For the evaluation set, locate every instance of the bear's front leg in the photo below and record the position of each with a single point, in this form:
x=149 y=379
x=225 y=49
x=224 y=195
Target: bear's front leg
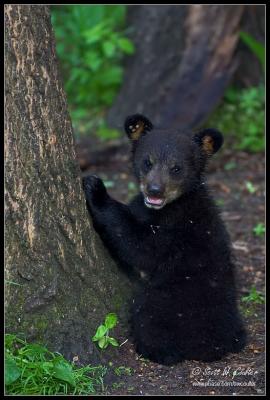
x=95 y=192
x=122 y=234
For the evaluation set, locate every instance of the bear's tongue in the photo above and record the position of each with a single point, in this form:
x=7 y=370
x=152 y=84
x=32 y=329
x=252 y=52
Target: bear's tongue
x=154 y=200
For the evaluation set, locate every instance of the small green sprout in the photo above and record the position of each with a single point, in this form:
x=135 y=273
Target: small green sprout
x=254 y=297
x=259 y=229
x=102 y=333
x=123 y=371
x=250 y=187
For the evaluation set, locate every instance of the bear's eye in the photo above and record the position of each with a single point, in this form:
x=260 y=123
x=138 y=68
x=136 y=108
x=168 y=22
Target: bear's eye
x=176 y=169
x=147 y=164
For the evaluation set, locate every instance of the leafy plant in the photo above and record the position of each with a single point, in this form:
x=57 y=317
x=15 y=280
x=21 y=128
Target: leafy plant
x=31 y=369
x=250 y=187
x=251 y=302
x=254 y=297
x=105 y=133
x=119 y=371
x=117 y=385
x=259 y=229
x=91 y=42
x=102 y=334
x=256 y=47
x=242 y=116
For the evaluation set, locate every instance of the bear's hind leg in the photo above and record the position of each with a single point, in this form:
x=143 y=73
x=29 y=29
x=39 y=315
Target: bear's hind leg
x=154 y=341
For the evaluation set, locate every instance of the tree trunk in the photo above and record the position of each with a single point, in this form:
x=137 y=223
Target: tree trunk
x=249 y=70
x=183 y=62
x=60 y=281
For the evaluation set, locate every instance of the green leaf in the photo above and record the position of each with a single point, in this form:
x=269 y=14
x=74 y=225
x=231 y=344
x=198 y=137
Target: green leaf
x=259 y=229
x=103 y=342
x=110 y=320
x=231 y=95
x=93 y=60
x=254 y=296
x=112 y=341
x=12 y=372
x=256 y=47
x=79 y=113
x=107 y=98
x=12 y=283
x=63 y=371
x=250 y=187
x=101 y=330
x=94 y=34
x=126 y=45
x=9 y=339
x=112 y=75
x=108 y=48
x=47 y=366
x=107 y=133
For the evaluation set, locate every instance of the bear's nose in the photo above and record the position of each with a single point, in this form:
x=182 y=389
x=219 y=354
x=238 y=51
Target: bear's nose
x=155 y=190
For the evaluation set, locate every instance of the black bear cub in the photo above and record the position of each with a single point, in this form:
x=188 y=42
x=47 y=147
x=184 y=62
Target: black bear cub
x=172 y=237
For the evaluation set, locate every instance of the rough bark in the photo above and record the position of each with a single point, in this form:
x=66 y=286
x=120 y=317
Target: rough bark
x=66 y=280
x=183 y=62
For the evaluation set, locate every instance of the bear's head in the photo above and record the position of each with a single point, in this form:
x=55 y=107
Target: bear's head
x=167 y=163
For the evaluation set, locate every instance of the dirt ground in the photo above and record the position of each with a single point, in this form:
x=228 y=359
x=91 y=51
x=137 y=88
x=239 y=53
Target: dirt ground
x=236 y=374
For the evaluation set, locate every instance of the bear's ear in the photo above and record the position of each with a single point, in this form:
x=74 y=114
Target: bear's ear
x=136 y=125
x=210 y=140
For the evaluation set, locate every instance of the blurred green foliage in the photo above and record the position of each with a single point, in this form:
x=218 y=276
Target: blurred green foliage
x=257 y=48
x=91 y=42
x=242 y=112
x=259 y=229
x=242 y=115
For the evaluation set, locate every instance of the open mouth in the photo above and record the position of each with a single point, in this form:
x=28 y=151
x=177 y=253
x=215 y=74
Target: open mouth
x=154 y=202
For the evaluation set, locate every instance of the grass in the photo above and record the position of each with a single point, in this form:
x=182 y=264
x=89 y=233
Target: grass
x=254 y=297
x=31 y=369
x=251 y=301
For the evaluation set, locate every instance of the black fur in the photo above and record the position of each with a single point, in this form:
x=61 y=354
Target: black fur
x=186 y=306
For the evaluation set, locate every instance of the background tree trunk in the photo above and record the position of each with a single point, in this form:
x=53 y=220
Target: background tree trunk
x=60 y=281
x=249 y=70
x=185 y=57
